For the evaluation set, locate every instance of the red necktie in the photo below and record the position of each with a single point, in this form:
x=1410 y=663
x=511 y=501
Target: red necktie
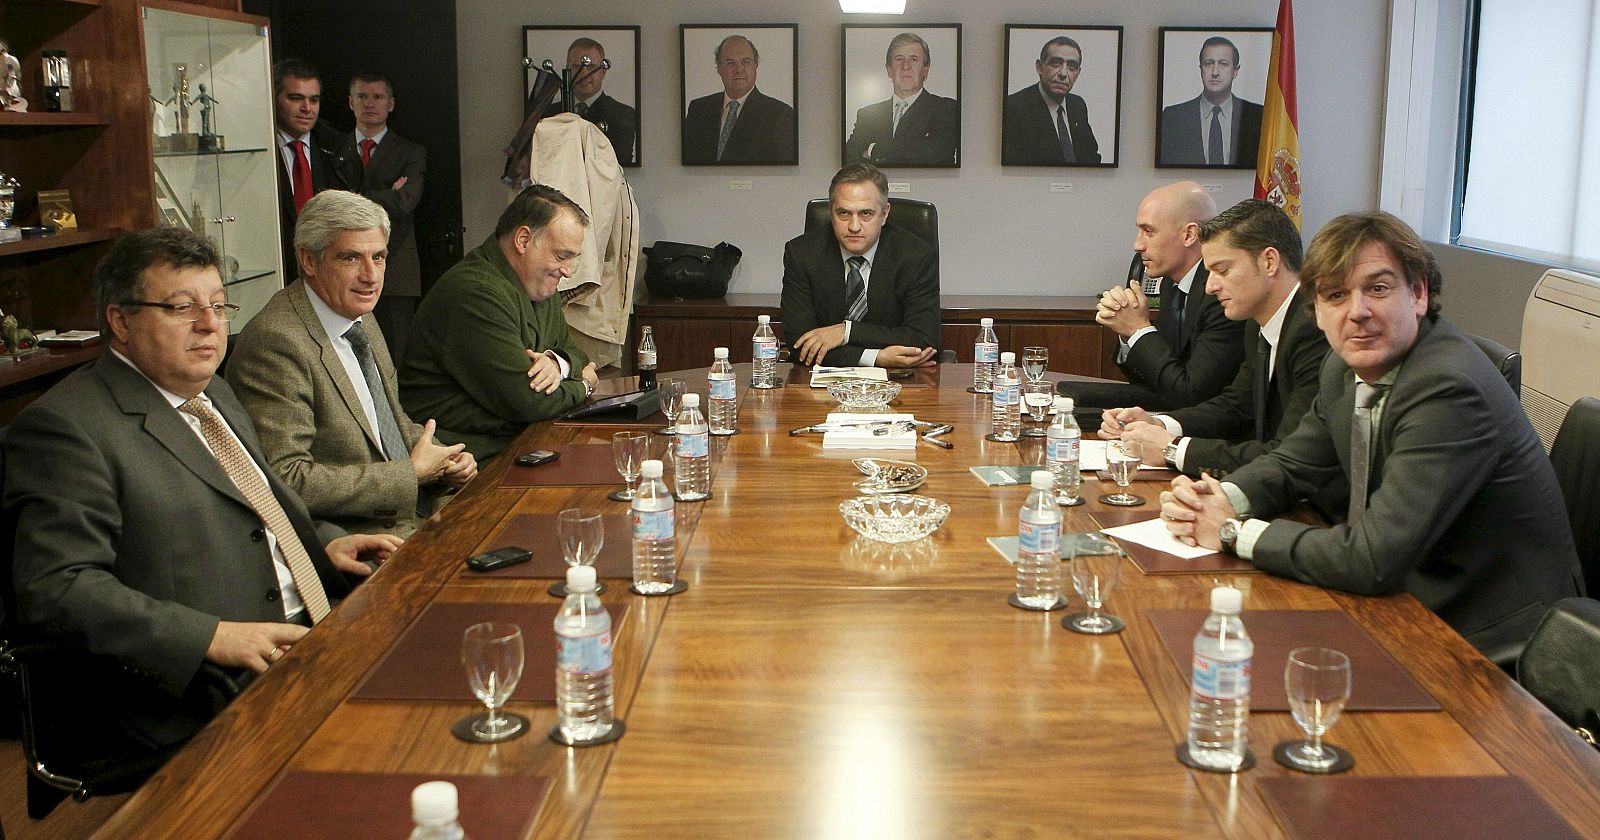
x=302 y=176
x=366 y=151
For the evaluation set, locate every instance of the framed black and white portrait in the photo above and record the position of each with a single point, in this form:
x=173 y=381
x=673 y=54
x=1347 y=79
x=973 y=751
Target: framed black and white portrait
x=740 y=95
x=607 y=97
x=1063 y=96
x=1211 y=86
x=902 y=94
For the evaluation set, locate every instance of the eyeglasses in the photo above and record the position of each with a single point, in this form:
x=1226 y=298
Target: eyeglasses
x=190 y=312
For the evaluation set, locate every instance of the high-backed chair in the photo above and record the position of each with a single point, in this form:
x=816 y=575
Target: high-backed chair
x=1506 y=360
x=1576 y=458
x=919 y=218
x=1561 y=664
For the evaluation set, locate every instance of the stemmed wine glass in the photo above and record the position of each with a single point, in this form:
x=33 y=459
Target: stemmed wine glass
x=1317 y=681
x=581 y=534
x=1096 y=567
x=492 y=654
x=628 y=451
x=1034 y=362
x=672 y=391
x=1122 y=459
x=1037 y=398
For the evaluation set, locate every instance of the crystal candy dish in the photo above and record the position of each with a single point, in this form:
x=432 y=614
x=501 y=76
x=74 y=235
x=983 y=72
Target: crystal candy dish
x=894 y=519
x=864 y=393
x=887 y=476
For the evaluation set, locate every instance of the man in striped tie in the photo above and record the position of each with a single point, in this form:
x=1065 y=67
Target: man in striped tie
x=855 y=292
x=151 y=535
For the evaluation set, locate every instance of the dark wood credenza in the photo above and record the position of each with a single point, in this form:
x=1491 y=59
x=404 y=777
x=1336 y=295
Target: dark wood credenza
x=687 y=330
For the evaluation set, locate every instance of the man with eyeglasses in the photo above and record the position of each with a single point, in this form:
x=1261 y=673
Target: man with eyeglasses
x=150 y=535
x=1047 y=124
x=1215 y=128
x=739 y=125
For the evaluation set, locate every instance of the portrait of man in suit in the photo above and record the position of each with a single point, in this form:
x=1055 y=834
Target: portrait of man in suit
x=618 y=122
x=1218 y=127
x=307 y=148
x=914 y=126
x=1054 y=104
x=606 y=96
x=739 y=124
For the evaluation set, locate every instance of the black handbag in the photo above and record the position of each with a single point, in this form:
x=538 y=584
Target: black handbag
x=679 y=270
x=1561 y=664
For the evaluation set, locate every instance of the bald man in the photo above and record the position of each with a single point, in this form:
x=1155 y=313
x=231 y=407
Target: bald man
x=1186 y=352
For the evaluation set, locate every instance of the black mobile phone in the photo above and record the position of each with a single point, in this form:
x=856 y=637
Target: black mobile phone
x=498 y=559
x=536 y=457
x=902 y=373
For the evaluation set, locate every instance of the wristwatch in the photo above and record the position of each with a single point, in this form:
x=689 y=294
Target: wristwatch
x=1171 y=453
x=1228 y=534
x=588 y=387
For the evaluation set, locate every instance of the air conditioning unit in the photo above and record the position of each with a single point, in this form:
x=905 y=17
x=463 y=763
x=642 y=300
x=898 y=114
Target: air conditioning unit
x=1560 y=348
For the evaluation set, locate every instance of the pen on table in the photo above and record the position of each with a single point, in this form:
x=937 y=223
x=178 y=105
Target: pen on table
x=939 y=442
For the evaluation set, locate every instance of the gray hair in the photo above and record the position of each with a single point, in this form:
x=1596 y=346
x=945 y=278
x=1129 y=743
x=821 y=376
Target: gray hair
x=332 y=212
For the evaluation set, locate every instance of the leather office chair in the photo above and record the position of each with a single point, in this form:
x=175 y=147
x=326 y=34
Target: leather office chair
x=1561 y=664
x=1506 y=360
x=919 y=218
x=1576 y=458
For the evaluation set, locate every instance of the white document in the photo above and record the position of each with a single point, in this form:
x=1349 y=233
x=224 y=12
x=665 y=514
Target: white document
x=1092 y=455
x=822 y=377
x=862 y=437
x=1153 y=533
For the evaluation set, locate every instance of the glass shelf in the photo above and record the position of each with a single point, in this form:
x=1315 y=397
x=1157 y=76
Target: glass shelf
x=211 y=153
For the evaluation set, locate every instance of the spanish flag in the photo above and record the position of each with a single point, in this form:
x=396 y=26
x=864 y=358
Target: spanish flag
x=1278 y=161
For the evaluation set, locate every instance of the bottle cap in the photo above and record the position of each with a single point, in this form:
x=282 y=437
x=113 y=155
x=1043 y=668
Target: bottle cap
x=690 y=401
x=763 y=319
x=1064 y=404
x=1008 y=358
x=1042 y=480
x=1226 y=600
x=434 y=803
x=580 y=579
x=650 y=469
x=719 y=353
x=986 y=322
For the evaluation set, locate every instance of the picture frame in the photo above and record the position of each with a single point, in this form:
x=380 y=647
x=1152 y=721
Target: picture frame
x=1235 y=91
x=879 y=67
x=56 y=210
x=603 y=96
x=756 y=65
x=1043 y=96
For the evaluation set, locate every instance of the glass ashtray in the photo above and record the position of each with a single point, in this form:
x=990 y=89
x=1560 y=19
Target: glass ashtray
x=894 y=518
x=887 y=476
x=864 y=393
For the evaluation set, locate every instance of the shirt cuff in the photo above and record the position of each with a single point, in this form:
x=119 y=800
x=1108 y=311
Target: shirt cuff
x=566 y=368
x=1249 y=532
x=1173 y=427
x=869 y=358
x=846 y=332
x=1183 y=451
x=1237 y=498
x=1138 y=334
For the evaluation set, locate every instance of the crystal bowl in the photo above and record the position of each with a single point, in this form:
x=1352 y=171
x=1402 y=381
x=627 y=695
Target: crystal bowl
x=864 y=393
x=894 y=519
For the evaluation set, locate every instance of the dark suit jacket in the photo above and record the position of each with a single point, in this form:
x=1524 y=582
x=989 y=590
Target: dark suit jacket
x=764 y=133
x=902 y=294
x=1030 y=131
x=1246 y=420
x=1180 y=133
x=1199 y=364
x=132 y=543
x=1464 y=511
x=322 y=153
x=394 y=157
x=929 y=135
x=620 y=124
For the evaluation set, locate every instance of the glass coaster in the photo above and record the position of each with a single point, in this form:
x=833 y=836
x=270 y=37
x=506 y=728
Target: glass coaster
x=616 y=731
x=1342 y=759
x=463 y=728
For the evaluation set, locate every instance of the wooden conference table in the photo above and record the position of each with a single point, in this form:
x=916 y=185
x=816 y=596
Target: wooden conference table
x=810 y=684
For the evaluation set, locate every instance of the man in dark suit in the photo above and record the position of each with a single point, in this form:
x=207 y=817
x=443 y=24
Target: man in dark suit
x=618 y=122
x=913 y=127
x=1215 y=128
x=857 y=293
x=1191 y=350
x=740 y=124
x=1252 y=253
x=151 y=537
x=306 y=149
x=388 y=169
x=1450 y=495
x=1047 y=124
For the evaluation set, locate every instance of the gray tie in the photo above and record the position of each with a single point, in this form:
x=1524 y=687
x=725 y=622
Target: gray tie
x=899 y=111
x=1361 y=449
x=582 y=109
x=1214 y=138
x=394 y=446
x=1064 y=135
x=855 y=290
x=727 y=127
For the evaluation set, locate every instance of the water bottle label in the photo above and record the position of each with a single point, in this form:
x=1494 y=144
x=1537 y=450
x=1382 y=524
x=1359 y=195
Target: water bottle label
x=647 y=358
x=1061 y=449
x=724 y=389
x=1039 y=538
x=1005 y=393
x=654 y=524
x=696 y=445
x=764 y=349
x=583 y=654
x=984 y=352
x=1218 y=679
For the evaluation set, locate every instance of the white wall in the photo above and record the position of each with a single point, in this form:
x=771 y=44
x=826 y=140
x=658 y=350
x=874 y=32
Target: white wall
x=1002 y=231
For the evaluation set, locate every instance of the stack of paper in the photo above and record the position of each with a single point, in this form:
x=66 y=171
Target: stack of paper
x=861 y=437
x=69 y=338
x=822 y=377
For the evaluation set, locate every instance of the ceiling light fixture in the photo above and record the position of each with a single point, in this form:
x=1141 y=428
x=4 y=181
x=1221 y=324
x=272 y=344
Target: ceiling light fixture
x=873 y=7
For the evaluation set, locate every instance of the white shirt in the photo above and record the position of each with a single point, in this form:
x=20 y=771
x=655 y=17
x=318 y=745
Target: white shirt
x=286 y=152
x=377 y=139
x=1226 y=119
x=289 y=593
x=869 y=357
x=336 y=325
x=1184 y=285
x=1055 y=107
x=725 y=101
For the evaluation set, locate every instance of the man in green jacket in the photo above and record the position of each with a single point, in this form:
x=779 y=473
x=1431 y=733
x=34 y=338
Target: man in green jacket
x=490 y=352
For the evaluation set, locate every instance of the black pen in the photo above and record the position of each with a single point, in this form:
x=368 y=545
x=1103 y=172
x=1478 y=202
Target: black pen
x=945 y=444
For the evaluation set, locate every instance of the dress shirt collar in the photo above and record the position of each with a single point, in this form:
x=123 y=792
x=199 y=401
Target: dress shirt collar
x=1186 y=285
x=335 y=324
x=1272 y=330
x=912 y=100
x=870 y=255
x=170 y=397
x=1050 y=104
x=285 y=138
x=740 y=100
x=599 y=93
x=376 y=138
x=1227 y=109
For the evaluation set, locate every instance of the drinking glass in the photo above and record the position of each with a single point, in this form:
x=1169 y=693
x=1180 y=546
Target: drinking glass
x=672 y=391
x=628 y=452
x=1122 y=459
x=1034 y=362
x=1317 y=681
x=492 y=654
x=582 y=534
x=1096 y=567
x=1037 y=398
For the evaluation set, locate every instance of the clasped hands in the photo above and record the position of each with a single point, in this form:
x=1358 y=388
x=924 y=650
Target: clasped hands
x=436 y=462
x=1124 y=309
x=811 y=347
x=1140 y=425
x=1193 y=510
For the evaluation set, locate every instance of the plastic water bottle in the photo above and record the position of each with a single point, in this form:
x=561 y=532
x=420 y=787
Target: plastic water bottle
x=764 y=355
x=1039 y=545
x=723 y=394
x=1007 y=399
x=985 y=355
x=647 y=360
x=435 y=811
x=1219 y=705
x=691 y=450
x=585 y=707
x=655 y=540
x=1062 y=446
